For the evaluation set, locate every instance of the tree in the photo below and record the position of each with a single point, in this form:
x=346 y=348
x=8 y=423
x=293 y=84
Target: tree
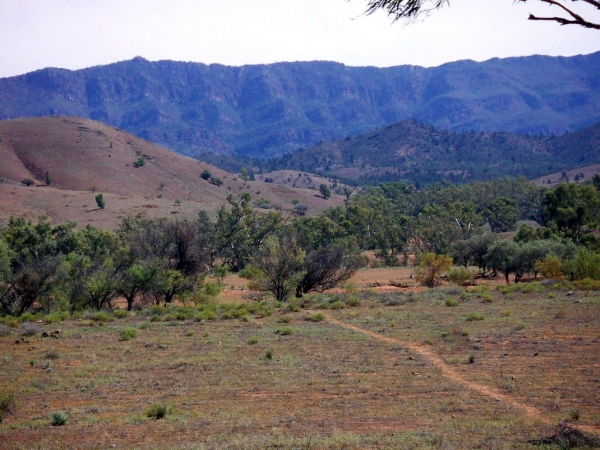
x=325 y=191
x=410 y=10
x=500 y=257
x=572 y=209
x=206 y=175
x=240 y=230
x=100 y=201
x=280 y=261
x=327 y=267
x=502 y=214
x=48 y=179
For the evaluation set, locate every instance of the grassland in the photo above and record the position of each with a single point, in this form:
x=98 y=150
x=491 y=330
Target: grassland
x=447 y=368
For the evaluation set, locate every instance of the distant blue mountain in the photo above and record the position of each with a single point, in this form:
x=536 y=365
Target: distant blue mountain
x=269 y=110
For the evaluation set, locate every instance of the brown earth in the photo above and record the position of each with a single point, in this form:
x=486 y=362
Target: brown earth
x=557 y=178
x=85 y=157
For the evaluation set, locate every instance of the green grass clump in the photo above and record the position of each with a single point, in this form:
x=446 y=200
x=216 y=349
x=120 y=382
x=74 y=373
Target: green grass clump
x=57 y=316
x=285 y=331
x=316 y=317
x=253 y=340
x=451 y=303
x=128 y=333
x=58 y=418
x=474 y=316
x=102 y=317
x=121 y=313
x=157 y=411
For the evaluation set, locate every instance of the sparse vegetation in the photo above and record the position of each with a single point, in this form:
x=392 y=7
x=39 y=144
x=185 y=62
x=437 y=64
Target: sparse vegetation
x=140 y=162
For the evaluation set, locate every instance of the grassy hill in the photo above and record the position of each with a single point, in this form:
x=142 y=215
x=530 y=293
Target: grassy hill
x=268 y=110
x=85 y=157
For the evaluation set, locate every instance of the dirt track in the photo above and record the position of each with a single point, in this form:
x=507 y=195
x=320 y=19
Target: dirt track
x=455 y=376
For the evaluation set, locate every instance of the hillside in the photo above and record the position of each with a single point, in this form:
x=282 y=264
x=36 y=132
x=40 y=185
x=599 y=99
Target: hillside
x=413 y=151
x=268 y=110
x=84 y=158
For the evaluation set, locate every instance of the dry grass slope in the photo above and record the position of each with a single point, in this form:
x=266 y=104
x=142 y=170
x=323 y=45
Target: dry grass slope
x=85 y=157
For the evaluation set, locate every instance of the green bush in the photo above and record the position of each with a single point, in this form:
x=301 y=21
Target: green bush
x=451 y=302
x=121 y=313
x=128 y=333
x=100 y=201
x=58 y=418
x=461 y=276
x=102 y=316
x=157 y=411
x=316 y=317
x=473 y=316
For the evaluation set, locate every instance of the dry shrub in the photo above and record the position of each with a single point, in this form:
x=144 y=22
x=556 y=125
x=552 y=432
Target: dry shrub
x=566 y=436
x=432 y=266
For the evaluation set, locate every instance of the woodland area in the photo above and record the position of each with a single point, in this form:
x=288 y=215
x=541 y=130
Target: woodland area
x=62 y=268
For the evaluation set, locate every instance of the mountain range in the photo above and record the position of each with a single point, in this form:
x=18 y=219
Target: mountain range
x=269 y=110
x=420 y=153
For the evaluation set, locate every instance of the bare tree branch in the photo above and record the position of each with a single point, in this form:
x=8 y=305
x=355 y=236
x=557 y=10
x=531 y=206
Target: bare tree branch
x=578 y=20
x=410 y=10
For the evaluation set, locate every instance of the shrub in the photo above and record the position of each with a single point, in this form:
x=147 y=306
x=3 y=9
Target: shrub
x=587 y=284
x=140 y=162
x=550 y=267
x=461 y=276
x=144 y=326
x=451 y=303
x=128 y=333
x=286 y=331
x=28 y=182
x=30 y=329
x=102 y=316
x=7 y=403
x=473 y=316
x=316 y=317
x=269 y=354
x=253 y=340
x=157 y=411
x=100 y=201
x=121 y=313
x=432 y=266
x=48 y=179
x=52 y=354
x=58 y=418
x=471 y=358
x=206 y=175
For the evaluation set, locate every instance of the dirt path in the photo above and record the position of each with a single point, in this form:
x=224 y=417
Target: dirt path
x=457 y=377
x=448 y=371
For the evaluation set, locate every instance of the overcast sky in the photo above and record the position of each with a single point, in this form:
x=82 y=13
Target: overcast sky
x=75 y=34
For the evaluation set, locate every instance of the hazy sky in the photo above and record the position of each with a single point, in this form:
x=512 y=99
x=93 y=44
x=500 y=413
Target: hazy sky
x=80 y=33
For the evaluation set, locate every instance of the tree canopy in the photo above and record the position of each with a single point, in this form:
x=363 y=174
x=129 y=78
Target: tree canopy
x=412 y=9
